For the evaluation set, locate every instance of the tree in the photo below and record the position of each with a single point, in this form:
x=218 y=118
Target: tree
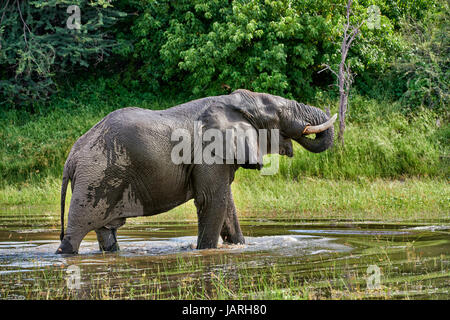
x=37 y=43
x=344 y=75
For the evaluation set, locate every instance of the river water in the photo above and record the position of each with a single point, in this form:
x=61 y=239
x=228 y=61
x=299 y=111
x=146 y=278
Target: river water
x=282 y=259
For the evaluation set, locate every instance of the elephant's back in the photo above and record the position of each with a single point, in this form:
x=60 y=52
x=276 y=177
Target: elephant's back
x=130 y=149
x=129 y=129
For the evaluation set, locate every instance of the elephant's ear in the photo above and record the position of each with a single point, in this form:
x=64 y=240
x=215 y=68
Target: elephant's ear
x=239 y=137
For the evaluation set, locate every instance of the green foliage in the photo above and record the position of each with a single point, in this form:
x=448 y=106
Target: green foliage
x=271 y=46
x=396 y=10
x=425 y=65
x=36 y=45
x=374 y=47
x=201 y=47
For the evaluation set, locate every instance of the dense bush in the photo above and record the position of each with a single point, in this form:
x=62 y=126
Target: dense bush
x=425 y=64
x=273 y=46
x=396 y=10
x=36 y=45
x=207 y=47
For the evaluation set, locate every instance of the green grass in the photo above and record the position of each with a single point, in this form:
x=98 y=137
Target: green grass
x=364 y=199
x=391 y=147
x=275 y=197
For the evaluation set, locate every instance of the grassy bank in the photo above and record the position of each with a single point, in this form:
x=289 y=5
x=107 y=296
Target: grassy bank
x=275 y=197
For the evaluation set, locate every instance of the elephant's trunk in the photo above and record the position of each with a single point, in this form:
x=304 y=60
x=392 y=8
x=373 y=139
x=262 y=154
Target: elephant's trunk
x=322 y=142
x=322 y=126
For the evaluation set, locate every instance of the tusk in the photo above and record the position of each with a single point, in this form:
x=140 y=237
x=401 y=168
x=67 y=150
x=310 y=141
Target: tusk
x=321 y=127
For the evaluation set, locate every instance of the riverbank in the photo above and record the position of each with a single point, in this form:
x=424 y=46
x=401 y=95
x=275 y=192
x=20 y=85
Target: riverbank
x=275 y=197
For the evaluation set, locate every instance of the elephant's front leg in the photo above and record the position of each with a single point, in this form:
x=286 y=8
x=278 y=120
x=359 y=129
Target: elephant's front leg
x=212 y=193
x=107 y=239
x=107 y=235
x=231 y=230
x=211 y=215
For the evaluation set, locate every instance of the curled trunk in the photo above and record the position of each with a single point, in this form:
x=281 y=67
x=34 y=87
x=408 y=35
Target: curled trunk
x=323 y=139
x=322 y=142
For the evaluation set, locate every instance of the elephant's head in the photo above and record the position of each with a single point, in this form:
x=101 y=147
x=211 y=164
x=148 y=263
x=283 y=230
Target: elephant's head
x=246 y=110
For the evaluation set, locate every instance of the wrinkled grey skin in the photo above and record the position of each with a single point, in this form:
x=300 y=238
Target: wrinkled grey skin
x=122 y=167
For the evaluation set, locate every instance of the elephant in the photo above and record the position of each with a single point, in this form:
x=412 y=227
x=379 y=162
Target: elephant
x=123 y=166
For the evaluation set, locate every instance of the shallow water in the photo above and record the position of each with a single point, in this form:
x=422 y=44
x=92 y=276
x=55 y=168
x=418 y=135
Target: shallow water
x=281 y=259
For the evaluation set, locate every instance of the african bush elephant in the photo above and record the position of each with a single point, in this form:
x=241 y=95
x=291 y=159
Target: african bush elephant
x=123 y=166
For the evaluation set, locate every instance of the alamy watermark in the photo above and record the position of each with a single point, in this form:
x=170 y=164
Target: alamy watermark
x=232 y=146
x=374 y=277
x=73 y=279
x=374 y=17
x=74 y=20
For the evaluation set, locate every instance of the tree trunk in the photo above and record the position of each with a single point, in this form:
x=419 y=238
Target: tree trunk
x=342 y=95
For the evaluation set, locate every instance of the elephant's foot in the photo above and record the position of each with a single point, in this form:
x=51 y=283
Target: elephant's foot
x=207 y=244
x=107 y=239
x=66 y=247
x=113 y=248
x=71 y=243
x=231 y=232
x=233 y=239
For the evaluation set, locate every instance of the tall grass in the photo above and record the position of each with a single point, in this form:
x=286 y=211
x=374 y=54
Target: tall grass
x=33 y=146
x=391 y=147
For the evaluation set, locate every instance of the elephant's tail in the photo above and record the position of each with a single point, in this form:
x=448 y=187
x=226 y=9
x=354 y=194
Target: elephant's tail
x=65 y=182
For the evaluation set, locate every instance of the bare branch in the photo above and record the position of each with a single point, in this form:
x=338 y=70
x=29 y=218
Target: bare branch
x=24 y=23
x=355 y=32
x=345 y=76
x=347 y=25
x=4 y=11
x=327 y=67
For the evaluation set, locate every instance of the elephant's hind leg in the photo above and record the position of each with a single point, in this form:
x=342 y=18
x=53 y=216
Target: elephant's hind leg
x=77 y=228
x=107 y=235
x=72 y=240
